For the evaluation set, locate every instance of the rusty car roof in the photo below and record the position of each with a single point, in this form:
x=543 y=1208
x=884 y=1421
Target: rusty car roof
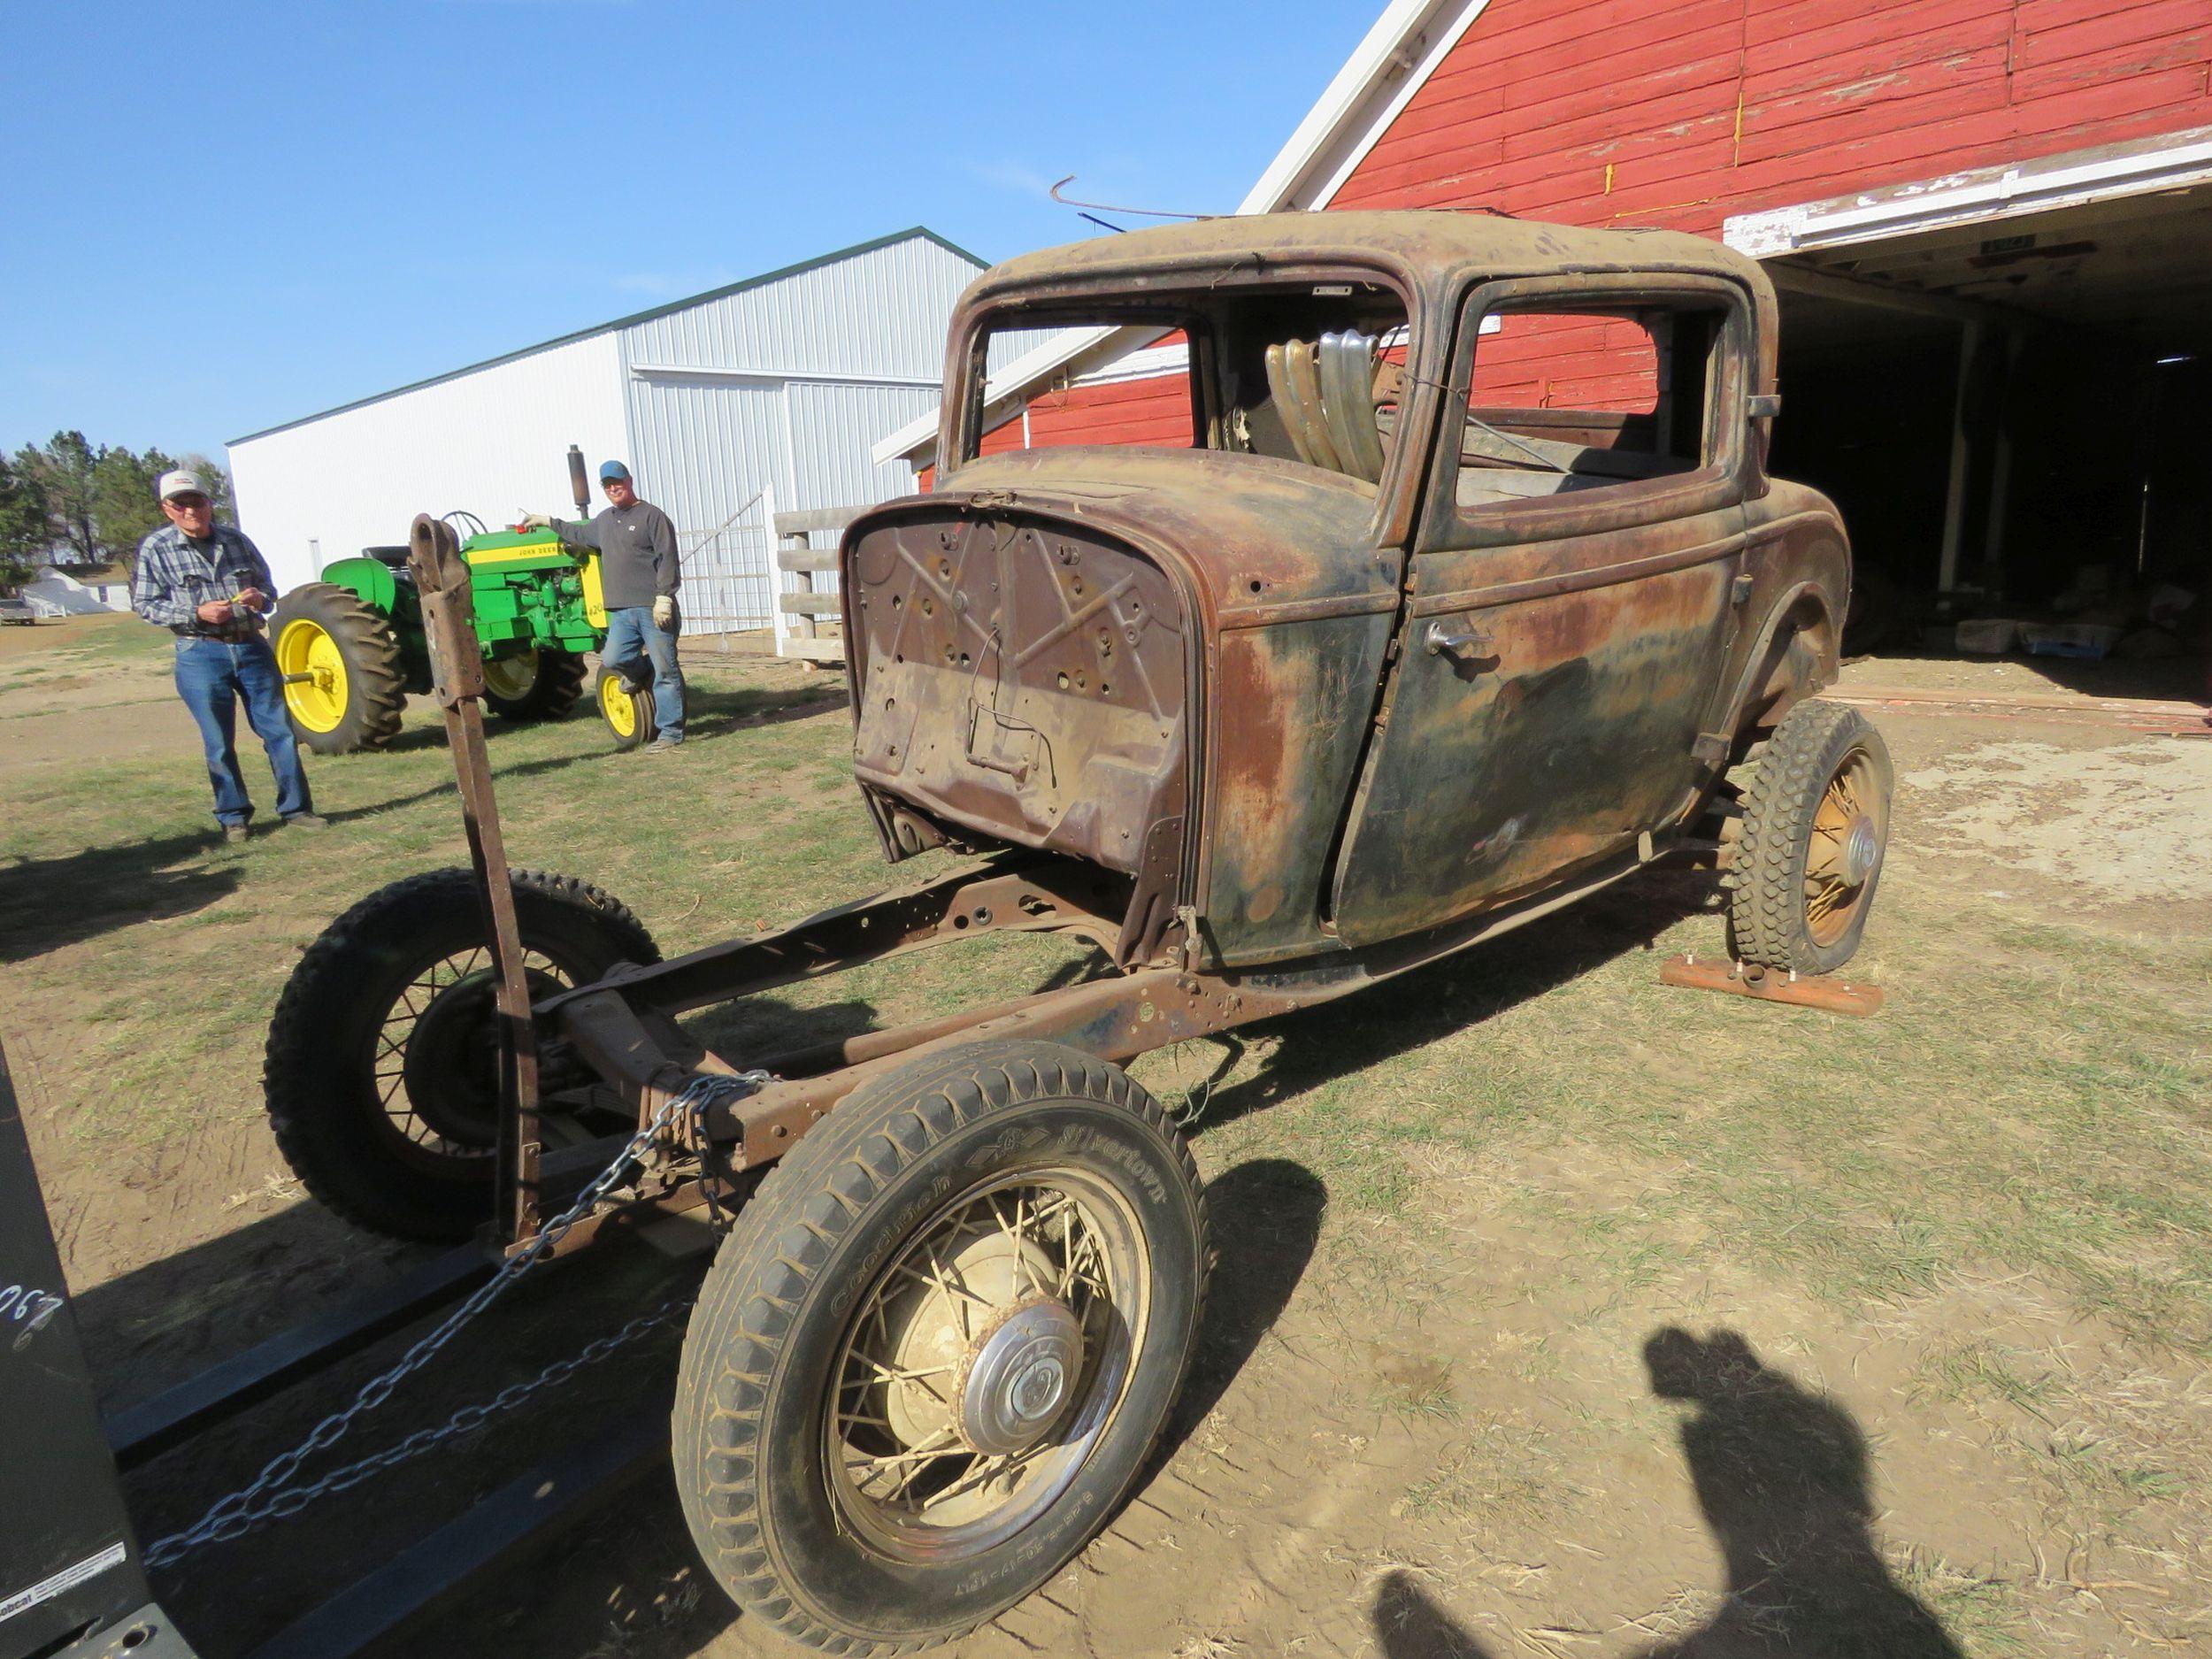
x=1433 y=247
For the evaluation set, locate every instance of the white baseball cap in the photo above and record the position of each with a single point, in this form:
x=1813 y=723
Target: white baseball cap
x=179 y=483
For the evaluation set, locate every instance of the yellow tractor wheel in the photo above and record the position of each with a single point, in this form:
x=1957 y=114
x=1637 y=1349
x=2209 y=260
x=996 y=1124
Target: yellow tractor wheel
x=626 y=709
x=534 y=685
x=341 y=665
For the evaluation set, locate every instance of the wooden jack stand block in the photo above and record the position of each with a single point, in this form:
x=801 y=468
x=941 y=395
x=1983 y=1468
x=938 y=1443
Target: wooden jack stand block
x=1770 y=985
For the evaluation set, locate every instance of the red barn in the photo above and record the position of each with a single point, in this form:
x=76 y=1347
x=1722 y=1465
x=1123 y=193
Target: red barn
x=1990 y=221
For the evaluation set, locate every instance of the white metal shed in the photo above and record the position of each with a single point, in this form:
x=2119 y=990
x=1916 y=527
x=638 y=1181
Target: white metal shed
x=765 y=394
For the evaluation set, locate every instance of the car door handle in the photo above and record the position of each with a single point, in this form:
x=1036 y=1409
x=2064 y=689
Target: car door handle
x=1474 y=642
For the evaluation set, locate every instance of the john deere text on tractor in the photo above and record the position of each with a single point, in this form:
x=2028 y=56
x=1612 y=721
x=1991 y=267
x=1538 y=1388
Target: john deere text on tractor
x=351 y=644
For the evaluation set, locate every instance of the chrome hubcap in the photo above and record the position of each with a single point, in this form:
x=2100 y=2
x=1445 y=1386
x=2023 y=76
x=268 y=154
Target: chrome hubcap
x=1862 y=849
x=1016 y=1376
x=984 y=1362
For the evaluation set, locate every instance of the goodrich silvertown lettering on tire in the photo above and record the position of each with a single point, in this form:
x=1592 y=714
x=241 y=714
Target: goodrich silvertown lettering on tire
x=932 y=1354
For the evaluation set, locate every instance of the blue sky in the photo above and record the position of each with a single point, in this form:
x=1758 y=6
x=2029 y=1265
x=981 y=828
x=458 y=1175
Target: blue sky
x=220 y=218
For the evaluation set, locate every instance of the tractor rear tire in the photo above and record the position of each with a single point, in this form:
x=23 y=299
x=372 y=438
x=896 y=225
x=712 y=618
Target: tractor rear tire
x=381 y=1073
x=1802 y=869
x=556 y=686
x=356 y=692
x=627 y=708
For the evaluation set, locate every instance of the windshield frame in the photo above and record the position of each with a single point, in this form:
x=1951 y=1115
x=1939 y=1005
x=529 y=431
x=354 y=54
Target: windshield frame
x=1164 y=297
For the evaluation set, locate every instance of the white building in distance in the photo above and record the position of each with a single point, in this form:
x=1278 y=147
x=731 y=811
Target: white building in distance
x=767 y=395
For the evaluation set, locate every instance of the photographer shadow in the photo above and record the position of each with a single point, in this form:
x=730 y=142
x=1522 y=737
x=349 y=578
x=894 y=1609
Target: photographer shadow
x=1781 y=1475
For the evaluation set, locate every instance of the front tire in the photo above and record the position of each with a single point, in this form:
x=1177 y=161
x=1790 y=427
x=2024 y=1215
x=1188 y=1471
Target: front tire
x=1805 y=863
x=346 y=689
x=536 y=685
x=930 y=1359
x=381 y=1073
x=627 y=708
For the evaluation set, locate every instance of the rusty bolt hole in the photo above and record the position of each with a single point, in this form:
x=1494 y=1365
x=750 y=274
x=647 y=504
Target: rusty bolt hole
x=1256 y=584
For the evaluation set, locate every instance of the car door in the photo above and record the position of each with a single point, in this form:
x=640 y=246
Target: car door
x=1568 y=607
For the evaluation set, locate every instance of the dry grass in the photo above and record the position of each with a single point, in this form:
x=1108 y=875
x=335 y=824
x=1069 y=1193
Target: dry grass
x=1979 y=1226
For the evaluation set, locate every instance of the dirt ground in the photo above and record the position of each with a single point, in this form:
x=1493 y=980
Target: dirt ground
x=1557 y=1313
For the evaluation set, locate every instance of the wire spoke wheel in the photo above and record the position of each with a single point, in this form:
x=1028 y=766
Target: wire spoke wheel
x=934 y=1351
x=1807 y=853
x=382 y=1069
x=984 y=1363
x=1850 y=826
x=436 y=1064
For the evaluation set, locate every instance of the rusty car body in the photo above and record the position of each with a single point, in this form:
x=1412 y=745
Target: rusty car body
x=1271 y=730
x=1370 y=671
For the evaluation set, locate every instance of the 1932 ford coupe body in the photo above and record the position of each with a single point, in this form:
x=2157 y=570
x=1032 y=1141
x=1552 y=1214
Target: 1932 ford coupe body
x=1447 y=586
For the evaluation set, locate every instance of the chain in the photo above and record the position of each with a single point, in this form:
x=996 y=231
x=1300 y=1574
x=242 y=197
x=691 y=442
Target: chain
x=719 y=1219
x=271 y=1495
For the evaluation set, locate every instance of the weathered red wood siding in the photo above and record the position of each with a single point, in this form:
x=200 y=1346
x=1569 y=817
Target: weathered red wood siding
x=1154 y=411
x=1618 y=113
x=1623 y=112
x=1543 y=361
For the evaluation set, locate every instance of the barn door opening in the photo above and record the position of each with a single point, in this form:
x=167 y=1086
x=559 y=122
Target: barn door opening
x=1999 y=376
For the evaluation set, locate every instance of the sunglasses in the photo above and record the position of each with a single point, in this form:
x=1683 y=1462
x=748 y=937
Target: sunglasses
x=186 y=503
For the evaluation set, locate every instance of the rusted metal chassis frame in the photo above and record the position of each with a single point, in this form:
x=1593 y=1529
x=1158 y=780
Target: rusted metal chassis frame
x=625 y=1026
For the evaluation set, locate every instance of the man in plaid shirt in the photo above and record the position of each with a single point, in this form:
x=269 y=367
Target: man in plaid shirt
x=208 y=585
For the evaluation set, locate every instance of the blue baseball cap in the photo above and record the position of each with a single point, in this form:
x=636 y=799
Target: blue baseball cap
x=612 y=469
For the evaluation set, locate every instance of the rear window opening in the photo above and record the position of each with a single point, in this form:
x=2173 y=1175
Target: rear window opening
x=1562 y=401
x=1307 y=373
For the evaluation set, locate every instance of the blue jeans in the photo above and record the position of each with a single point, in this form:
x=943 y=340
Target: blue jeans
x=212 y=678
x=631 y=635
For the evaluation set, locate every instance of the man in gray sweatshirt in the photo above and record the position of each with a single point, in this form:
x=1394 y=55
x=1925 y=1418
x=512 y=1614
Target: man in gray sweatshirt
x=637 y=567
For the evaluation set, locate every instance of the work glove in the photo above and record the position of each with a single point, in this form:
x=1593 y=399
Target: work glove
x=534 y=521
x=664 y=611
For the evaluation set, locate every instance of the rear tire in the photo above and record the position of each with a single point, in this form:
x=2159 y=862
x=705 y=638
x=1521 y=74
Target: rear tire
x=382 y=1074
x=554 y=687
x=358 y=692
x=626 y=709
x=1808 y=857
x=1054 y=1194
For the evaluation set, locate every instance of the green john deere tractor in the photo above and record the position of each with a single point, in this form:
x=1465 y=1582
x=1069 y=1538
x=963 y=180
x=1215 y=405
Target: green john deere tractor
x=351 y=648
